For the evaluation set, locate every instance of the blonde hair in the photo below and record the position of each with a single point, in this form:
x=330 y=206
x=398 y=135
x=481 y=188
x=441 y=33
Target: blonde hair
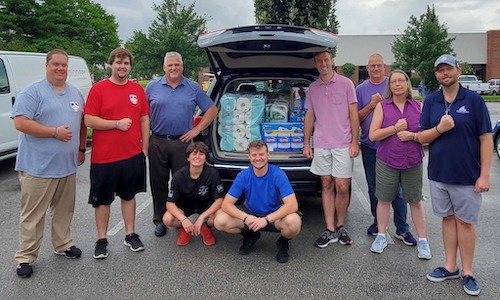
x=388 y=92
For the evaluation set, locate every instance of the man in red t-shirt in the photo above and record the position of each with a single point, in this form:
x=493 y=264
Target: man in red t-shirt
x=118 y=112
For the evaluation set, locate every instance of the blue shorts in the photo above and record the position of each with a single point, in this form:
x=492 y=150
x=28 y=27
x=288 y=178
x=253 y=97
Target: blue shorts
x=123 y=178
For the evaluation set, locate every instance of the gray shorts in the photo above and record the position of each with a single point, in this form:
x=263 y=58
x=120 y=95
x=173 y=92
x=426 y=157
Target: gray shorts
x=388 y=180
x=334 y=162
x=455 y=200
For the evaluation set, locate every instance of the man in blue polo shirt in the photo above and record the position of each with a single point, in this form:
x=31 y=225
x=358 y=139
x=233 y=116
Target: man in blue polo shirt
x=456 y=123
x=270 y=204
x=172 y=101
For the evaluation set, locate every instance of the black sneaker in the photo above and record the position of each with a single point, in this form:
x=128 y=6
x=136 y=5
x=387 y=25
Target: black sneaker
x=344 y=239
x=24 y=270
x=72 y=252
x=326 y=238
x=160 y=229
x=101 y=249
x=282 y=245
x=133 y=242
x=249 y=240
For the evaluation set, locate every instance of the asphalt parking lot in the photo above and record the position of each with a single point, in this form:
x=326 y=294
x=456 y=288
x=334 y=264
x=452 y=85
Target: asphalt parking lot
x=164 y=270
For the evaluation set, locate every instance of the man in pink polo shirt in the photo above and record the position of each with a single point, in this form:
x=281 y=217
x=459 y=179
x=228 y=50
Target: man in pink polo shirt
x=333 y=112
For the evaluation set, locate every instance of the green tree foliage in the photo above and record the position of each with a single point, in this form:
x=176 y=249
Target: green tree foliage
x=176 y=28
x=348 y=69
x=466 y=68
x=422 y=42
x=317 y=14
x=81 y=27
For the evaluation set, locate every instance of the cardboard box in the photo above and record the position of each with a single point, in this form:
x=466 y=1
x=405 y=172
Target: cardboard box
x=283 y=136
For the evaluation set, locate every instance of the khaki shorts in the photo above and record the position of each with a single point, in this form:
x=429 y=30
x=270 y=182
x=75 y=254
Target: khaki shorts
x=334 y=162
x=388 y=180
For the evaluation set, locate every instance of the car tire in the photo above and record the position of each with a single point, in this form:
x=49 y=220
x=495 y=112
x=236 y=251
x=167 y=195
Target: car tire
x=494 y=93
x=497 y=145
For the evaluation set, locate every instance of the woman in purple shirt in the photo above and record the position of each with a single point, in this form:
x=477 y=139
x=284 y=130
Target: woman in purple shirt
x=399 y=158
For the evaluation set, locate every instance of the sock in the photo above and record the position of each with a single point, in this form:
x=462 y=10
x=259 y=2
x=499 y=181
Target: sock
x=422 y=239
x=381 y=234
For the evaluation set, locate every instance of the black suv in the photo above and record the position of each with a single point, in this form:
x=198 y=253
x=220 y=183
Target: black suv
x=262 y=74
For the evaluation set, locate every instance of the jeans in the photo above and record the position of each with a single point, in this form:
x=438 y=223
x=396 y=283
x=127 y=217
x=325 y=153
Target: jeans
x=399 y=205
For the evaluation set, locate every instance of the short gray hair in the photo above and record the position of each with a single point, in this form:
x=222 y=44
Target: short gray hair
x=173 y=54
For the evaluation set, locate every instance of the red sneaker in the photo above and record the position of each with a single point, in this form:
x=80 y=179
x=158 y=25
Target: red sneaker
x=207 y=235
x=184 y=237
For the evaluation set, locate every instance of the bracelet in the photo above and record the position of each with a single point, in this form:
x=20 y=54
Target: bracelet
x=116 y=125
x=371 y=105
x=415 y=137
x=55 y=133
x=437 y=130
x=395 y=128
x=244 y=219
x=307 y=145
x=184 y=219
x=267 y=220
x=82 y=150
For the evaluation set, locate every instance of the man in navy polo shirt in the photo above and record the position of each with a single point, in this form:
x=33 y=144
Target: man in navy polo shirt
x=456 y=123
x=172 y=100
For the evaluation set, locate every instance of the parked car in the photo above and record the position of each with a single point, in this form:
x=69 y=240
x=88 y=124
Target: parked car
x=267 y=68
x=494 y=86
x=496 y=138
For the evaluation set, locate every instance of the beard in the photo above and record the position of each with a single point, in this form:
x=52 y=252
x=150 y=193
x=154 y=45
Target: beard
x=449 y=83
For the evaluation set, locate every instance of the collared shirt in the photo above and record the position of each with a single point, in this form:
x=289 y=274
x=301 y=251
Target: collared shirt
x=330 y=103
x=454 y=157
x=172 y=109
x=394 y=152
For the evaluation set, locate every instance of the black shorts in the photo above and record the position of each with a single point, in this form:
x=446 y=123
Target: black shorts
x=269 y=227
x=123 y=178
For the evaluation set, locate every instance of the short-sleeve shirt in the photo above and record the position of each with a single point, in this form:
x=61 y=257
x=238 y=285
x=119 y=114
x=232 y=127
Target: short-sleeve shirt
x=43 y=156
x=112 y=101
x=364 y=93
x=172 y=109
x=263 y=194
x=330 y=103
x=454 y=157
x=195 y=195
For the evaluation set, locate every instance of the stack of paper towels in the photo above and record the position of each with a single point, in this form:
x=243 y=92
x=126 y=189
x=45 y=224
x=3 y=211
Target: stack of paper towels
x=239 y=120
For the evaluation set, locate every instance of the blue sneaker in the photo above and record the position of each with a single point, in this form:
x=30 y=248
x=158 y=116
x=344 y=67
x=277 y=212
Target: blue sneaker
x=406 y=238
x=379 y=244
x=424 y=251
x=441 y=274
x=471 y=287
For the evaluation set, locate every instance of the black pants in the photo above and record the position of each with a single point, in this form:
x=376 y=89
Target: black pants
x=165 y=156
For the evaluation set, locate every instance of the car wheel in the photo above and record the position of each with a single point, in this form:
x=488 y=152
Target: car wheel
x=497 y=145
x=494 y=93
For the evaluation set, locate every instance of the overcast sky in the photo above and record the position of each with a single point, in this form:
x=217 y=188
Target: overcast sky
x=355 y=17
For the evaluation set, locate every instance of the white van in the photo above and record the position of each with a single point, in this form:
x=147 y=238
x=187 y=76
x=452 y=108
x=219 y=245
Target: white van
x=19 y=69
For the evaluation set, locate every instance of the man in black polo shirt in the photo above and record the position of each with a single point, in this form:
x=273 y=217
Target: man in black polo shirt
x=195 y=189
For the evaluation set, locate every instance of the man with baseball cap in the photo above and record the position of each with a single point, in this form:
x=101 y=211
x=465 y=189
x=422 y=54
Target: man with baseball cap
x=456 y=119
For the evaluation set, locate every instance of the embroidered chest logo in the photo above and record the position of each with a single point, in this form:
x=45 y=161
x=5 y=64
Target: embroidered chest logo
x=462 y=110
x=203 y=190
x=133 y=98
x=75 y=106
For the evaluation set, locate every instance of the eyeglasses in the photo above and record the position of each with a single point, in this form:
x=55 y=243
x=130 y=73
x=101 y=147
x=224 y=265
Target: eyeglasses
x=376 y=66
x=400 y=81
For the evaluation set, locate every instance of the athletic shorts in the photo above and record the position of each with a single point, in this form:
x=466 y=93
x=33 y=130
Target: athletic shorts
x=455 y=200
x=123 y=178
x=388 y=180
x=269 y=227
x=334 y=162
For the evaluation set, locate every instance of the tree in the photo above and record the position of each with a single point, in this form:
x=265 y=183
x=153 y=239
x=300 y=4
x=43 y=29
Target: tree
x=348 y=69
x=176 y=28
x=466 y=68
x=423 y=41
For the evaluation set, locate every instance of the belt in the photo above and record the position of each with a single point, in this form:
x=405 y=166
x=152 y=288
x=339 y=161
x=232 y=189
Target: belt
x=168 y=137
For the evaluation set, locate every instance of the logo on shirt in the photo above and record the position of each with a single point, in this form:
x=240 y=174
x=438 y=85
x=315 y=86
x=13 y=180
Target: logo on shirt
x=462 y=110
x=133 y=98
x=75 y=106
x=203 y=190
x=220 y=188
x=170 y=194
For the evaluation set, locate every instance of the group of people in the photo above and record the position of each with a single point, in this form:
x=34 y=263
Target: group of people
x=131 y=124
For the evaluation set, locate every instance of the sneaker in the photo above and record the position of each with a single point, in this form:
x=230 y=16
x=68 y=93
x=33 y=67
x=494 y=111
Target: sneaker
x=282 y=244
x=71 y=252
x=424 y=251
x=160 y=229
x=133 y=242
x=441 y=274
x=373 y=229
x=207 y=235
x=344 y=239
x=249 y=240
x=406 y=238
x=326 y=238
x=24 y=270
x=101 y=249
x=379 y=244
x=471 y=287
x=184 y=238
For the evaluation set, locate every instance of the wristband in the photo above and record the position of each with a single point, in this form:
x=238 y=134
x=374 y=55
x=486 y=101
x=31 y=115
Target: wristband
x=184 y=219
x=437 y=130
x=116 y=125
x=55 y=132
x=395 y=128
x=267 y=220
x=415 y=138
x=82 y=150
x=244 y=219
